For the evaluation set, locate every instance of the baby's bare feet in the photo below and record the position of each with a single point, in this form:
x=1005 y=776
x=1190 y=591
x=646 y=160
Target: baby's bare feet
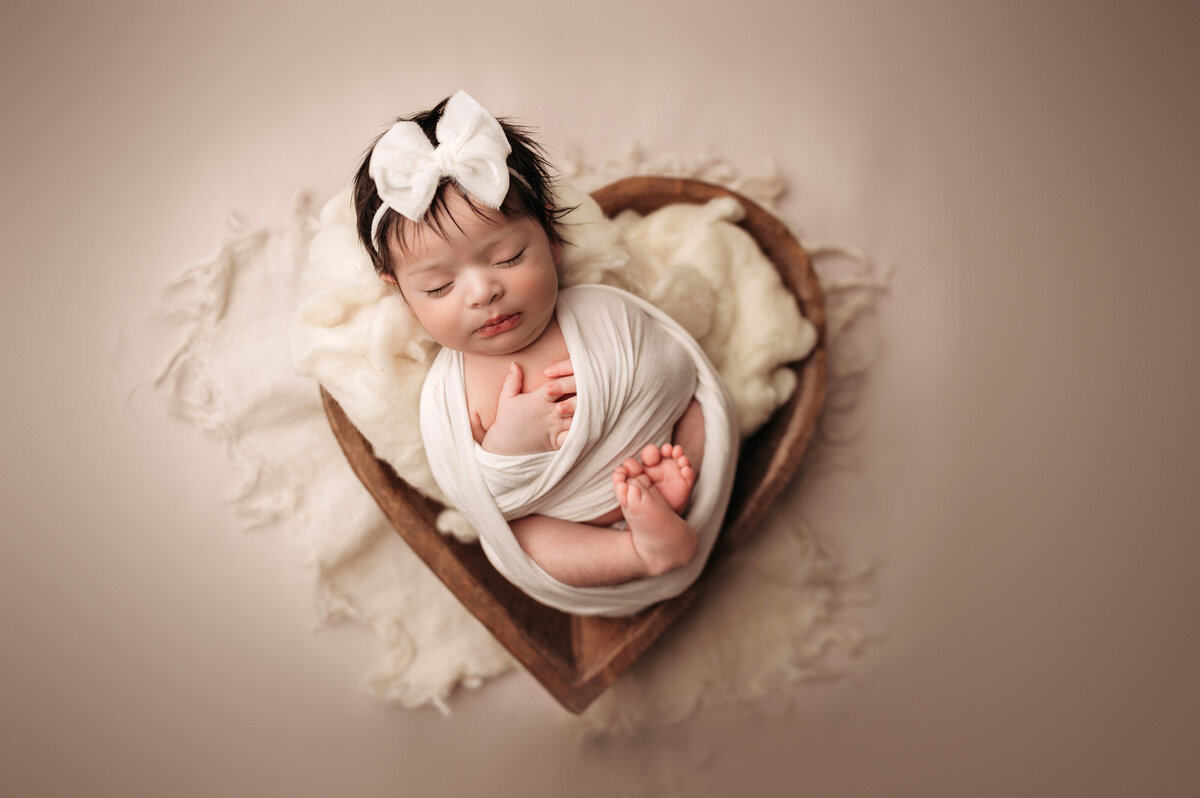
x=669 y=471
x=663 y=540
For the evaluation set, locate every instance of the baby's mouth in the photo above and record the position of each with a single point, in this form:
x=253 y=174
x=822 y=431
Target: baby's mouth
x=500 y=324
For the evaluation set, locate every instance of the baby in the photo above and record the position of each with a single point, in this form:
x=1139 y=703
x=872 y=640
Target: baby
x=455 y=210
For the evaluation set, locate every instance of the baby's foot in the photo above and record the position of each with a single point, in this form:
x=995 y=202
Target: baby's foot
x=663 y=540
x=669 y=471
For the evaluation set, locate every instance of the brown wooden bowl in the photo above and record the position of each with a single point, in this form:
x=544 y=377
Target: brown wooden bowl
x=575 y=657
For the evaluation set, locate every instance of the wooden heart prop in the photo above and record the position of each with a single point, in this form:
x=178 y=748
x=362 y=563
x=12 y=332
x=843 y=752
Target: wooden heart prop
x=576 y=658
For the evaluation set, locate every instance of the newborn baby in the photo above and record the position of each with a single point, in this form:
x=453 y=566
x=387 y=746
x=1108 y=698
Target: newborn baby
x=570 y=427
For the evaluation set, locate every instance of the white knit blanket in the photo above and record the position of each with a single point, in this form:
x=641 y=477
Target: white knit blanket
x=768 y=619
x=636 y=371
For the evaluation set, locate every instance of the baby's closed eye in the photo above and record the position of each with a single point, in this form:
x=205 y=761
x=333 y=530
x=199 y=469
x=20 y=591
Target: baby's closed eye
x=514 y=260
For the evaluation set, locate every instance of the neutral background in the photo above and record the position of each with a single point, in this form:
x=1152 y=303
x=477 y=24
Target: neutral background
x=1026 y=458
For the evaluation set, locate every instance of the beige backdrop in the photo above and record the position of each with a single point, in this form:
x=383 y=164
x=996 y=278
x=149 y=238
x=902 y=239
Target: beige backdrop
x=1023 y=479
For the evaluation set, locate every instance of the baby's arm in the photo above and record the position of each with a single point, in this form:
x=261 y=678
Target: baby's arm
x=530 y=422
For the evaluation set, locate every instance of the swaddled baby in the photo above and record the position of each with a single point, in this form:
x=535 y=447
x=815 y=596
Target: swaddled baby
x=582 y=432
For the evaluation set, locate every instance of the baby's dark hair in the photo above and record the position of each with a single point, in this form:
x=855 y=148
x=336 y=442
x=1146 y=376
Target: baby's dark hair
x=528 y=193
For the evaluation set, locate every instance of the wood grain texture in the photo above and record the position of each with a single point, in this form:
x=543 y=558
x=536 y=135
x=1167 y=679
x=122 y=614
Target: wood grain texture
x=576 y=658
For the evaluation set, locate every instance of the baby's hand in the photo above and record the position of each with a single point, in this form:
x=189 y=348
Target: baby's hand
x=531 y=422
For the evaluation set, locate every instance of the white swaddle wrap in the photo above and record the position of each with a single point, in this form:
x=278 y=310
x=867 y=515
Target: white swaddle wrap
x=636 y=371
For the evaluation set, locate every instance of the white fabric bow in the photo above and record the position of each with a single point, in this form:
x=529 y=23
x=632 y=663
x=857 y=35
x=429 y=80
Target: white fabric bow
x=472 y=150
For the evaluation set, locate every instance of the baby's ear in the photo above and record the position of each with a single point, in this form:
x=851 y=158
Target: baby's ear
x=556 y=251
x=390 y=279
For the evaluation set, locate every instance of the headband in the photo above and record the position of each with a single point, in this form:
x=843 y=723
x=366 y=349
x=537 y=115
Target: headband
x=472 y=150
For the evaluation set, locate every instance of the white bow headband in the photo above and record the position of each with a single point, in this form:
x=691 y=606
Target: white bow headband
x=472 y=150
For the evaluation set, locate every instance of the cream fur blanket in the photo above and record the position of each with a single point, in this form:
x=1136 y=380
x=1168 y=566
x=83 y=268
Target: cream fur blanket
x=768 y=620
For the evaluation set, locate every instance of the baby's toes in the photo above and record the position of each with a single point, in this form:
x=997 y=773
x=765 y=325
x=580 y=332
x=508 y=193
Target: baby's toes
x=633 y=497
x=651 y=455
x=688 y=474
x=620 y=488
x=631 y=467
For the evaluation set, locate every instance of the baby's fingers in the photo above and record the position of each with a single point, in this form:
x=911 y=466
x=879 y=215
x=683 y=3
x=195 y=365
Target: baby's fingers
x=512 y=382
x=566 y=412
x=560 y=369
x=564 y=386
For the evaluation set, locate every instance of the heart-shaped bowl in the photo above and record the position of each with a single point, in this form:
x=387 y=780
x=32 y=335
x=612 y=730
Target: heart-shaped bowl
x=574 y=657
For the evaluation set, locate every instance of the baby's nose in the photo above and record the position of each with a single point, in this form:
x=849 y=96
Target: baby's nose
x=485 y=289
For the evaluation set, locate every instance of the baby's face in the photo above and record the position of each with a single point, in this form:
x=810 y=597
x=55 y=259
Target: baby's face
x=488 y=287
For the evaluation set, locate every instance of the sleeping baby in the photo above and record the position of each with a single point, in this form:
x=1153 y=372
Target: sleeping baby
x=581 y=431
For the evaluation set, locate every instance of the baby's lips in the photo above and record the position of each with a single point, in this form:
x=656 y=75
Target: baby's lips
x=499 y=324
